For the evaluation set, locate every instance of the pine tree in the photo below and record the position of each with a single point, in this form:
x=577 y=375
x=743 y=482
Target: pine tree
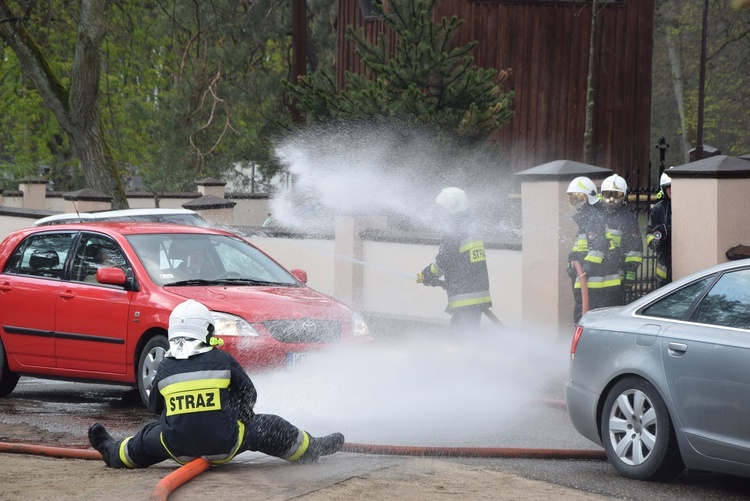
x=421 y=80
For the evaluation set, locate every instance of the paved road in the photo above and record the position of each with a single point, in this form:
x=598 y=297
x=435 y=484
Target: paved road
x=64 y=410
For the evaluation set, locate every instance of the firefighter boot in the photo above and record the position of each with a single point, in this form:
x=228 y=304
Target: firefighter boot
x=322 y=446
x=103 y=442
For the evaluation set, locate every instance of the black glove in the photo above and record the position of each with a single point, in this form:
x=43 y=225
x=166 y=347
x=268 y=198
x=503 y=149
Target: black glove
x=572 y=272
x=427 y=277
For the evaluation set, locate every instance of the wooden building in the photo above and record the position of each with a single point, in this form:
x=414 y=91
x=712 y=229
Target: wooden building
x=546 y=45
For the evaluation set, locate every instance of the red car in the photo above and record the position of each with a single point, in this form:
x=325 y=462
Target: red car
x=91 y=301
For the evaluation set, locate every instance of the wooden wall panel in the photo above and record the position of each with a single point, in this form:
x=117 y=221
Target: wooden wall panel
x=546 y=45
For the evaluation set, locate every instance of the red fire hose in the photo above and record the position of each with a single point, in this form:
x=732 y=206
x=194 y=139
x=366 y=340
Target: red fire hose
x=186 y=472
x=474 y=452
x=57 y=452
x=180 y=476
x=168 y=484
x=160 y=493
x=584 y=286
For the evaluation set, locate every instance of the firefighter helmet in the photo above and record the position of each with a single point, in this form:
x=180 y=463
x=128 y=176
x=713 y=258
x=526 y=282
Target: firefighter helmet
x=191 y=327
x=665 y=180
x=582 y=190
x=453 y=200
x=613 y=190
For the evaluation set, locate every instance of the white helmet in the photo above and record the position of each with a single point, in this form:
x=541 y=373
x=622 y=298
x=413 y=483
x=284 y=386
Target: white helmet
x=580 y=190
x=191 y=327
x=453 y=200
x=613 y=190
x=665 y=180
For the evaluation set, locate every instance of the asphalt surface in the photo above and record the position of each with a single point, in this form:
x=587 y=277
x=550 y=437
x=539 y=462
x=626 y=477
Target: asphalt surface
x=62 y=412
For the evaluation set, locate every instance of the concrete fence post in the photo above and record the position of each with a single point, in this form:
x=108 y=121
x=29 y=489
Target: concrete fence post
x=348 y=272
x=34 y=191
x=211 y=187
x=547 y=238
x=348 y=276
x=710 y=207
x=214 y=209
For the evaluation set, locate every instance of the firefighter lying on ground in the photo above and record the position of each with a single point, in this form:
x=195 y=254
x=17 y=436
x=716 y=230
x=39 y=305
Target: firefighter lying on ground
x=206 y=403
x=462 y=263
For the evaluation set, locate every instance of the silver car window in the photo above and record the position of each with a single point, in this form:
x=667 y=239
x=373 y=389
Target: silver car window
x=94 y=252
x=675 y=305
x=728 y=302
x=41 y=255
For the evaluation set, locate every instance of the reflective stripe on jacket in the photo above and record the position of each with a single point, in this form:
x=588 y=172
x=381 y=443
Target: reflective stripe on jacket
x=463 y=263
x=203 y=401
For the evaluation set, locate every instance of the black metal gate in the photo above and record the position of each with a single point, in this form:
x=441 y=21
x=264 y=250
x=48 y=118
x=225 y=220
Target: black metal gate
x=640 y=200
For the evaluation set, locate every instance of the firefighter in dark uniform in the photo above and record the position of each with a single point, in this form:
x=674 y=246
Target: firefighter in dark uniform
x=462 y=263
x=206 y=402
x=659 y=232
x=625 y=251
x=590 y=245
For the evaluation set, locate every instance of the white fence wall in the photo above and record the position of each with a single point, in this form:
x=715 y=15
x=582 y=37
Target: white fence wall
x=389 y=287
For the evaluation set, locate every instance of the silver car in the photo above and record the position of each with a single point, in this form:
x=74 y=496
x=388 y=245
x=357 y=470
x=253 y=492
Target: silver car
x=664 y=382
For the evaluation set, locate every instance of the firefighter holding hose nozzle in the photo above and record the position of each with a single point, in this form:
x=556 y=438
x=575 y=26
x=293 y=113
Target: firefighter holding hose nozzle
x=461 y=263
x=206 y=399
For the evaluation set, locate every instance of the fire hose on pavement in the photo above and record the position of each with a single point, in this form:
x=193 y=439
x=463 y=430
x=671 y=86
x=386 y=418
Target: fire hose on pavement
x=161 y=491
x=187 y=472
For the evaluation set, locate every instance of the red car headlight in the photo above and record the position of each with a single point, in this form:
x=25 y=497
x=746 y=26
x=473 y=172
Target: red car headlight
x=359 y=326
x=232 y=325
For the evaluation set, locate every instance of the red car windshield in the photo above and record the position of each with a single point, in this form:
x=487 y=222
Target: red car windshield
x=195 y=259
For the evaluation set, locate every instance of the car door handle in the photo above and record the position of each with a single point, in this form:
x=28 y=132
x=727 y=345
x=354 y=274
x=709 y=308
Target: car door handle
x=677 y=349
x=5 y=287
x=67 y=295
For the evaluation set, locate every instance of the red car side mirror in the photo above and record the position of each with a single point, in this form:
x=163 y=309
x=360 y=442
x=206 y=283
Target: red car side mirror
x=300 y=275
x=111 y=276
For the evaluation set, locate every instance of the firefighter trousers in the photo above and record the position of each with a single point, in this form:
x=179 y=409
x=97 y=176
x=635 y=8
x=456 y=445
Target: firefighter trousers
x=266 y=433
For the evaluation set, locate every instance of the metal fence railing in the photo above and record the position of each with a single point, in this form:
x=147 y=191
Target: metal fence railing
x=640 y=201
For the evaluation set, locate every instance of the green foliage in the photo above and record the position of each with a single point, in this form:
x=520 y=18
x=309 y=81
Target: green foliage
x=203 y=94
x=187 y=88
x=727 y=95
x=421 y=80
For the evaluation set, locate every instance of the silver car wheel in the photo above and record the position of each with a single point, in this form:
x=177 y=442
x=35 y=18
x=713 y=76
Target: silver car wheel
x=151 y=356
x=633 y=427
x=637 y=431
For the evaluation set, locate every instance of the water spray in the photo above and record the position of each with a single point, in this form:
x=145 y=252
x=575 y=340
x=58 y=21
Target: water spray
x=412 y=276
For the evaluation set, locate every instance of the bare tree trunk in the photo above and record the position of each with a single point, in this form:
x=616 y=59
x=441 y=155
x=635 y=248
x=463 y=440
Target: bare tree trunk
x=677 y=81
x=588 y=130
x=76 y=108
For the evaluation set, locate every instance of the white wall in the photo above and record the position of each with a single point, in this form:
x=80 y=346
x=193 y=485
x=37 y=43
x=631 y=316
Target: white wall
x=387 y=288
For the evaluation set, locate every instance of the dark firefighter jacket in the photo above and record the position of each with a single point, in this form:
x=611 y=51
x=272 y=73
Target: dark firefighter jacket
x=204 y=402
x=461 y=260
x=660 y=224
x=625 y=240
x=591 y=244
